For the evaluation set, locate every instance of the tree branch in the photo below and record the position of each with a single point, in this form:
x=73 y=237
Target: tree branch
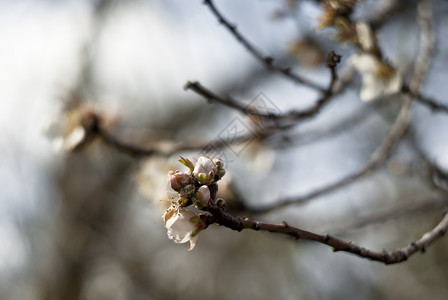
x=332 y=60
x=221 y=217
x=267 y=61
x=427 y=41
x=377 y=158
x=432 y=104
x=138 y=151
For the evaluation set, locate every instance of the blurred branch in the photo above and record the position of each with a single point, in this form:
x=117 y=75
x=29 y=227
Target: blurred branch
x=427 y=40
x=422 y=63
x=332 y=60
x=432 y=104
x=392 y=213
x=313 y=135
x=267 y=61
x=377 y=158
x=139 y=151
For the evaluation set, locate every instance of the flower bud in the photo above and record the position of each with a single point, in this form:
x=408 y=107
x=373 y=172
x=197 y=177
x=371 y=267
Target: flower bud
x=204 y=170
x=187 y=191
x=179 y=180
x=221 y=203
x=219 y=164
x=221 y=173
x=202 y=197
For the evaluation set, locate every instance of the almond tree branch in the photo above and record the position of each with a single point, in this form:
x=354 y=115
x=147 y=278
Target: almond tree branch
x=221 y=217
x=138 y=151
x=421 y=65
x=332 y=60
x=267 y=61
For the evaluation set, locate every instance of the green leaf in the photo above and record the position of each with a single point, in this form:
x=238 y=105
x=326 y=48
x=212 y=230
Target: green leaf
x=186 y=162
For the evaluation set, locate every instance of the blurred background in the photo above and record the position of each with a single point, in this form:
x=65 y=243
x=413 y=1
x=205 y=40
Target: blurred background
x=87 y=224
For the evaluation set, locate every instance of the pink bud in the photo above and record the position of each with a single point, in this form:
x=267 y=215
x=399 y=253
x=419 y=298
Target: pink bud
x=179 y=180
x=202 y=195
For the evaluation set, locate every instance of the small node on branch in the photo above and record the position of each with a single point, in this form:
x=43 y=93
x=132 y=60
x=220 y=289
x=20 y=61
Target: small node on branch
x=296 y=236
x=269 y=60
x=190 y=85
x=333 y=59
x=221 y=203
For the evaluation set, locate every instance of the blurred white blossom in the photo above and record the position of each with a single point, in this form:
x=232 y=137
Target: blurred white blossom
x=379 y=79
x=70 y=130
x=365 y=36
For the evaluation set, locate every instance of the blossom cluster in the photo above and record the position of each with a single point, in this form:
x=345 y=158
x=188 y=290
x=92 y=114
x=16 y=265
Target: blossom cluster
x=194 y=189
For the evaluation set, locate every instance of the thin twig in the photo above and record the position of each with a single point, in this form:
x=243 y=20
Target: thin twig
x=267 y=61
x=332 y=60
x=199 y=89
x=432 y=104
x=329 y=131
x=138 y=151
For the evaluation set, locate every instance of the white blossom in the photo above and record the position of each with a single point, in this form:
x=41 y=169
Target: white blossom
x=183 y=226
x=66 y=135
x=378 y=78
x=204 y=170
x=365 y=36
